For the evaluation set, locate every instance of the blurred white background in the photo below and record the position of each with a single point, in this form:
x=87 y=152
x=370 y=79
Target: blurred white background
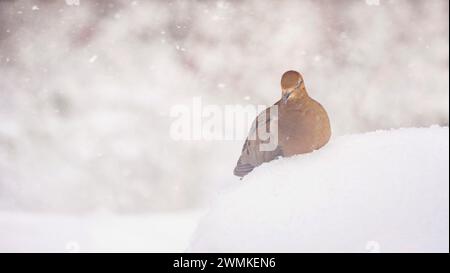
x=86 y=90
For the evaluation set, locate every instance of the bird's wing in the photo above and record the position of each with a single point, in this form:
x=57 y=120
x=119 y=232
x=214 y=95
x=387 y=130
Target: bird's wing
x=252 y=155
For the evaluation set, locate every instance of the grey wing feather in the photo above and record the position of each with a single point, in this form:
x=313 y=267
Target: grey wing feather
x=251 y=155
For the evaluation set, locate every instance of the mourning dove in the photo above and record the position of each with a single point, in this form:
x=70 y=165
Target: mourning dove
x=302 y=123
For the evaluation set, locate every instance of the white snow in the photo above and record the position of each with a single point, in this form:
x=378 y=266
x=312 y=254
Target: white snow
x=386 y=191
x=383 y=191
x=101 y=231
x=93 y=58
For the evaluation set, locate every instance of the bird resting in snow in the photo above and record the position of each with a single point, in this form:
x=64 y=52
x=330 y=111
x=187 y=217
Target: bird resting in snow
x=302 y=126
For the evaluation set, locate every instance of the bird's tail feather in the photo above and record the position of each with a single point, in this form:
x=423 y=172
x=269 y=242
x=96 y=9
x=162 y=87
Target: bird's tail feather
x=242 y=169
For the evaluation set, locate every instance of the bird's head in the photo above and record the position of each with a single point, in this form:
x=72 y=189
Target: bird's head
x=292 y=85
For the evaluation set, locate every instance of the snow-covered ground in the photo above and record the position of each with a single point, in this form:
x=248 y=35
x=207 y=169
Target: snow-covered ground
x=381 y=191
x=384 y=191
x=105 y=232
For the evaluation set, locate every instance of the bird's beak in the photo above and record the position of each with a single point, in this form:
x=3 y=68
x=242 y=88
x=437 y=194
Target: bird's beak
x=285 y=96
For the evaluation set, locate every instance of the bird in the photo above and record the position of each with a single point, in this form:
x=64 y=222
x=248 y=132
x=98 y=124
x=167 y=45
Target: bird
x=301 y=125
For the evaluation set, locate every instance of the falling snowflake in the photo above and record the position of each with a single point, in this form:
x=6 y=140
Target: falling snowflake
x=373 y=2
x=179 y=48
x=222 y=5
x=73 y=2
x=93 y=59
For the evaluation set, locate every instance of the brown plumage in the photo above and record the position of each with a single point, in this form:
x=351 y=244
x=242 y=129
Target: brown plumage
x=303 y=126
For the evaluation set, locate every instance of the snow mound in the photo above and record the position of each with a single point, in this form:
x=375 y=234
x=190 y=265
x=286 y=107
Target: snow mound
x=385 y=191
